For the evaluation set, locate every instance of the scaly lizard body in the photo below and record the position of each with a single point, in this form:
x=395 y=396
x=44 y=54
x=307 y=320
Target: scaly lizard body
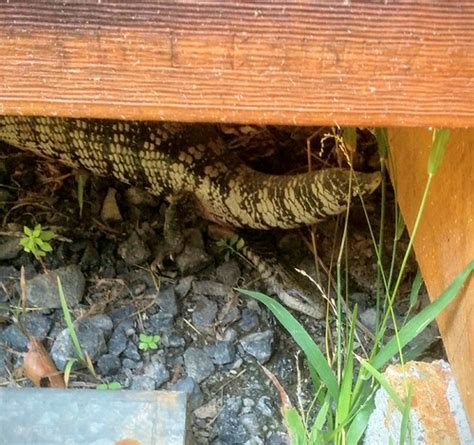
x=169 y=159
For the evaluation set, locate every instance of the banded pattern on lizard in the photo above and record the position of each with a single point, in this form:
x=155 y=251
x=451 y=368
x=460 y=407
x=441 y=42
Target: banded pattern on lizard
x=171 y=160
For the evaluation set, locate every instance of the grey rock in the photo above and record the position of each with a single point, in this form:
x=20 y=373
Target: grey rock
x=9 y=247
x=229 y=315
x=122 y=315
x=259 y=345
x=205 y=312
x=110 y=212
x=35 y=324
x=142 y=383
x=249 y=320
x=230 y=334
x=189 y=386
x=42 y=290
x=4 y=363
x=138 y=197
x=134 y=250
x=161 y=322
x=8 y=277
x=276 y=438
x=198 y=364
x=130 y=364
x=194 y=257
x=108 y=364
x=173 y=341
x=90 y=258
x=184 y=286
x=119 y=339
x=132 y=352
x=210 y=288
x=90 y=337
x=166 y=300
x=251 y=423
x=222 y=352
x=284 y=370
x=158 y=372
x=227 y=426
x=265 y=407
x=228 y=273
x=102 y=322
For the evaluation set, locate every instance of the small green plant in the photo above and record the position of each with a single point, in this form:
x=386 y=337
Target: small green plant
x=109 y=386
x=231 y=246
x=36 y=241
x=148 y=342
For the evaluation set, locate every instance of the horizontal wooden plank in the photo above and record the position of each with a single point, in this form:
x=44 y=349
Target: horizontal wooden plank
x=302 y=62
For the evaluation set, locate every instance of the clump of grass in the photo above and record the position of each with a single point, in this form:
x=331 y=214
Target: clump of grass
x=344 y=392
x=231 y=247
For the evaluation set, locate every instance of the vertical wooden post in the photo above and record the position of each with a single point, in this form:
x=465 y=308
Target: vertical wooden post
x=445 y=241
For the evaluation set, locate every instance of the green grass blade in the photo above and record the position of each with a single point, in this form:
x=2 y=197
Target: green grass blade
x=359 y=424
x=415 y=288
x=423 y=319
x=384 y=383
x=69 y=323
x=295 y=425
x=315 y=357
x=345 y=392
x=382 y=142
x=405 y=426
x=438 y=147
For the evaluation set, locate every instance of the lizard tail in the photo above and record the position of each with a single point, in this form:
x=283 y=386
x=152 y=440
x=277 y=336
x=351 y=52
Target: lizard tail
x=261 y=201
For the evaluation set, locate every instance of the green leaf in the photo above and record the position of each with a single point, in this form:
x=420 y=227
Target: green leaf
x=143 y=337
x=156 y=338
x=295 y=425
x=27 y=231
x=37 y=231
x=47 y=235
x=143 y=346
x=24 y=242
x=359 y=424
x=422 y=319
x=234 y=239
x=438 y=147
x=69 y=323
x=315 y=357
x=240 y=244
x=382 y=143
x=102 y=386
x=405 y=426
x=349 y=136
x=415 y=288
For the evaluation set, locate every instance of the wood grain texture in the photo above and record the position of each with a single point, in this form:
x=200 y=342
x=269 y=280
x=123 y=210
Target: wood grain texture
x=348 y=62
x=445 y=241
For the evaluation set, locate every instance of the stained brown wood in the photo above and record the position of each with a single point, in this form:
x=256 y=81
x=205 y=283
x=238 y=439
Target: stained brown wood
x=445 y=241
x=302 y=62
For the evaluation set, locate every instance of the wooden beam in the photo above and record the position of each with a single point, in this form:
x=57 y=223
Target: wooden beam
x=301 y=62
x=445 y=241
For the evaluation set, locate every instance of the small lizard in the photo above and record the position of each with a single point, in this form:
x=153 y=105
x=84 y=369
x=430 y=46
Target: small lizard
x=175 y=160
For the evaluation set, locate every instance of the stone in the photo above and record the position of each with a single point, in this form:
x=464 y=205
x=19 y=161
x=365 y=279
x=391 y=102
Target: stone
x=184 y=286
x=259 y=345
x=110 y=212
x=198 y=364
x=166 y=300
x=142 y=383
x=221 y=353
x=161 y=322
x=90 y=337
x=207 y=411
x=4 y=363
x=436 y=414
x=158 y=372
x=102 y=322
x=42 y=290
x=205 y=312
x=132 y=352
x=35 y=324
x=9 y=247
x=133 y=250
x=139 y=197
x=130 y=364
x=194 y=257
x=227 y=426
x=119 y=339
x=211 y=288
x=265 y=406
x=108 y=365
x=190 y=387
x=229 y=273
x=249 y=320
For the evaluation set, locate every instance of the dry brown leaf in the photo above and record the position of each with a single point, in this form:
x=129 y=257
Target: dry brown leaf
x=39 y=367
